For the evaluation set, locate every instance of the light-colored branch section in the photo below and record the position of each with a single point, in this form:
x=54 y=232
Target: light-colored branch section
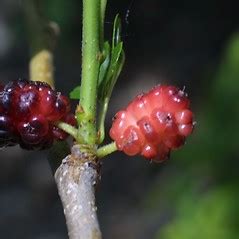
x=41 y=67
x=76 y=179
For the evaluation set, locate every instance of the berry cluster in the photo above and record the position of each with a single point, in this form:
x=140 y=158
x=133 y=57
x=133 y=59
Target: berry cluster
x=153 y=123
x=28 y=111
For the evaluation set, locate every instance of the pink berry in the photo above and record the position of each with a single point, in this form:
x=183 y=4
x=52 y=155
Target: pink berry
x=153 y=123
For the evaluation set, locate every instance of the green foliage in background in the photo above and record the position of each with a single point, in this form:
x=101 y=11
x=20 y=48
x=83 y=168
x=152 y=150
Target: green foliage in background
x=213 y=215
x=199 y=188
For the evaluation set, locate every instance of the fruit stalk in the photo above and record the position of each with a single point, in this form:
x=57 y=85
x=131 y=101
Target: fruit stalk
x=106 y=150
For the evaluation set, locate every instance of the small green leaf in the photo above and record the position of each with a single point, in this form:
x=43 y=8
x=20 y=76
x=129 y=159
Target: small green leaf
x=116 y=53
x=116 y=38
x=75 y=93
x=114 y=68
x=105 y=64
x=109 y=72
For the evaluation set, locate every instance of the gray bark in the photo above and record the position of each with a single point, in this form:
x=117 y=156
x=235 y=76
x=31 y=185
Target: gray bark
x=76 y=178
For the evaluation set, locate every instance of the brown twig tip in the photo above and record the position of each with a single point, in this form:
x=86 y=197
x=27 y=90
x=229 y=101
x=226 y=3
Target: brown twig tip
x=76 y=179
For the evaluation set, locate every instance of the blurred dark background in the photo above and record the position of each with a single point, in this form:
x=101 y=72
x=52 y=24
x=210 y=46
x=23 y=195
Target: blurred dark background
x=195 y=194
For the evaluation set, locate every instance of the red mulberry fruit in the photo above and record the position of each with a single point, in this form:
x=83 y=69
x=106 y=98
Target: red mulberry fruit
x=153 y=123
x=28 y=112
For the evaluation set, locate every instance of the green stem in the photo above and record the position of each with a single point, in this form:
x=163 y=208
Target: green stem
x=107 y=149
x=103 y=4
x=90 y=70
x=102 y=115
x=68 y=129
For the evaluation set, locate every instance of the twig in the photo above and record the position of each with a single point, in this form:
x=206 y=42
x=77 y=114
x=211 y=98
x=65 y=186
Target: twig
x=77 y=174
x=41 y=67
x=76 y=179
